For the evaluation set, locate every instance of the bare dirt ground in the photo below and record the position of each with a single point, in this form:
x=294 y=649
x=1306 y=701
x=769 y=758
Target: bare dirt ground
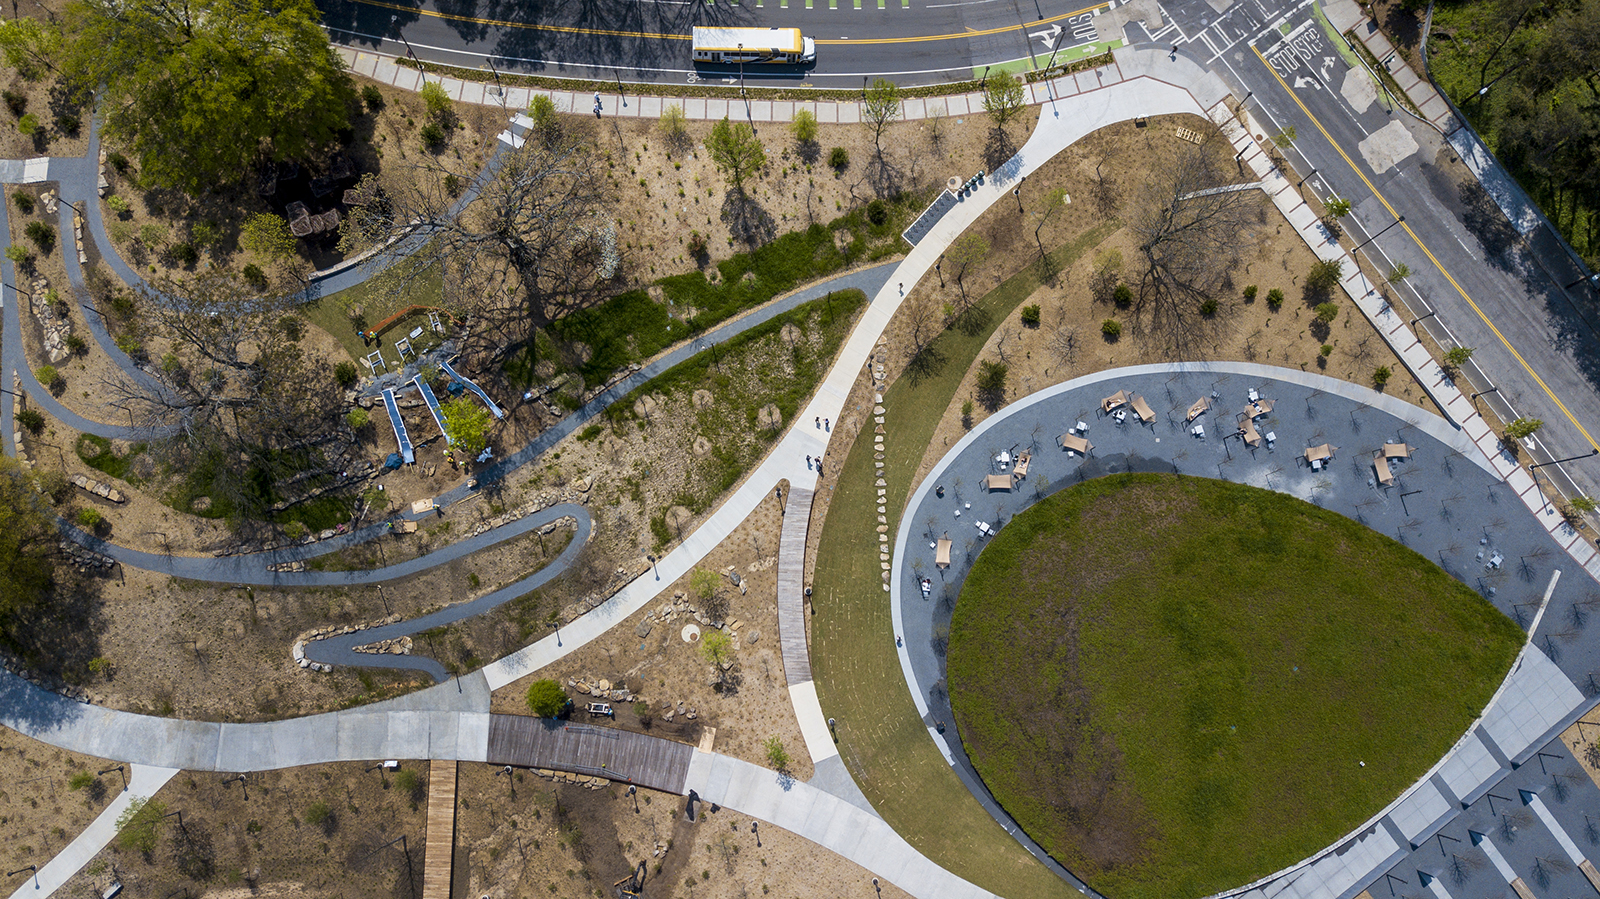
x=647 y=655
x=63 y=124
x=39 y=812
x=531 y=837
x=316 y=831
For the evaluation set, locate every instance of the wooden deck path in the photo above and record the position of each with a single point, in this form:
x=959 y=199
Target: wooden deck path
x=608 y=752
x=791 y=587
x=441 y=841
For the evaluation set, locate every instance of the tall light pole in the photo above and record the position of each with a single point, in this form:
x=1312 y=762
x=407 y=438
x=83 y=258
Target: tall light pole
x=394 y=22
x=33 y=868
x=1376 y=236
x=121 y=769
x=741 y=71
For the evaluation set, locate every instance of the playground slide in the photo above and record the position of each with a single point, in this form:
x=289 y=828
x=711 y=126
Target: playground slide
x=496 y=411
x=433 y=406
x=400 y=435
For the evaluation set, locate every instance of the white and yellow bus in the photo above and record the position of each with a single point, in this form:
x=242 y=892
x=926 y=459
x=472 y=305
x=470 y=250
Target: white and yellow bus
x=753 y=45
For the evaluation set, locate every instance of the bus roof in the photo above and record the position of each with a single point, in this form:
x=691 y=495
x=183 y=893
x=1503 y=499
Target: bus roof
x=781 y=40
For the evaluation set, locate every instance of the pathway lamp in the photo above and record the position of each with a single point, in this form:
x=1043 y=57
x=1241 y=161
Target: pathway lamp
x=33 y=868
x=120 y=769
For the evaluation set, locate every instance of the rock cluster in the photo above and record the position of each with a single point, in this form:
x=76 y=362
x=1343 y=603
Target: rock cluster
x=105 y=491
x=317 y=633
x=20 y=670
x=593 y=783
x=57 y=327
x=600 y=688
x=85 y=559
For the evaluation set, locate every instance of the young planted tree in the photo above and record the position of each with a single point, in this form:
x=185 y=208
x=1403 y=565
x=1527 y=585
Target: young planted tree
x=468 y=423
x=1002 y=98
x=674 y=128
x=880 y=107
x=992 y=383
x=968 y=250
x=546 y=698
x=200 y=92
x=737 y=152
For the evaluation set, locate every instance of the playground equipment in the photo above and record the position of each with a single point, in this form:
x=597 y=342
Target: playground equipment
x=400 y=435
x=433 y=406
x=494 y=410
x=633 y=884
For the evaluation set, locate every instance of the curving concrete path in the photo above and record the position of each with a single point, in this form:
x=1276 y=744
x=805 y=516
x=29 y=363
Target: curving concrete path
x=1448 y=502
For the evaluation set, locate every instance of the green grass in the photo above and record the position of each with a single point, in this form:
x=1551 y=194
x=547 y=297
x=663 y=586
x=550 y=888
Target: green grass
x=859 y=682
x=332 y=313
x=1171 y=682
x=631 y=327
x=96 y=452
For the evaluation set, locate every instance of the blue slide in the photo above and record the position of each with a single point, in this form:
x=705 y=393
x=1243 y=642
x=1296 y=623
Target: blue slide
x=494 y=410
x=433 y=406
x=400 y=435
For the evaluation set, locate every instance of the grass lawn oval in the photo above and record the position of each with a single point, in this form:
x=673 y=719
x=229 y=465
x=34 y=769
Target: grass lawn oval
x=1171 y=682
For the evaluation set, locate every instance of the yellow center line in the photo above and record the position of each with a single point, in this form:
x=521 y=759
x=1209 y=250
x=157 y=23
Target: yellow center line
x=650 y=35
x=1429 y=253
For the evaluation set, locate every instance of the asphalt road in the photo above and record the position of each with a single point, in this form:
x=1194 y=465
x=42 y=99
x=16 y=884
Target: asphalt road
x=1468 y=264
x=910 y=41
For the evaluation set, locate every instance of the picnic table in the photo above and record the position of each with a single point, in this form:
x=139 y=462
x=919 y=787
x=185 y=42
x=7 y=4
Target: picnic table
x=1318 y=455
x=1380 y=464
x=1247 y=427
x=1119 y=398
x=1143 y=410
x=1073 y=443
x=983 y=528
x=1198 y=409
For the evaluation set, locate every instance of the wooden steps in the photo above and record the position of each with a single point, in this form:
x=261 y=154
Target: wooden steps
x=441 y=840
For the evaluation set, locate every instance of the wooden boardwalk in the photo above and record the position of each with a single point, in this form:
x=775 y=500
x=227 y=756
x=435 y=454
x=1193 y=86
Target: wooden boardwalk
x=441 y=841
x=608 y=752
x=791 y=587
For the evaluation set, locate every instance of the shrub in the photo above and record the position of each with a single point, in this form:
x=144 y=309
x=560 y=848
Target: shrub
x=47 y=375
x=205 y=234
x=24 y=201
x=140 y=824
x=543 y=112
x=1208 y=306
x=672 y=125
x=43 y=235
x=453 y=184
x=80 y=781
x=838 y=159
x=1111 y=328
x=32 y=420
x=1122 y=296
x=1583 y=503
x=1523 y=428
x=433 y=137
x=697 y=244
x=1380 y=375
x=90 y=518
x=17 y=253
x=877 y=212
x=438 y=102
x=1274 y=299
x=1457 y=357
x=1030 y=315
x=1250 y=293
x=17 y=103
x=255 y=277
x=184 y=254
x=966 y=414
x=68 y=123
x=546 y=698
x=76 y=345
x=318 y=813
x=410 y=784
x=1327 y=350
x=345 y=374
x=118 y=162
x=358 y=418
x=591 y=433
x=1327 y=312
x=777 y=756
x=28 y=124
x=372 y=97
x=804 y=127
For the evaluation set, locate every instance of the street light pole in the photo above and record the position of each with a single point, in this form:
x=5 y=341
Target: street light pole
x=1375 y=236
x=1017 y=192
x=33 y=868
x=394 y=22
x=1590 y=454
x=121 y=769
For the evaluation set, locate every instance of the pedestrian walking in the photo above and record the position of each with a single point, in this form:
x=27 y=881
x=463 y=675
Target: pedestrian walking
x=597 y=104
x=827 y=425
x=808 y=462
x=902 y=287
x=818 y=421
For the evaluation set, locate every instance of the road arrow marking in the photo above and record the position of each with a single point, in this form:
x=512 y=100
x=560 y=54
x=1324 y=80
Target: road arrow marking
x=1048 y=36
x=1302 y=82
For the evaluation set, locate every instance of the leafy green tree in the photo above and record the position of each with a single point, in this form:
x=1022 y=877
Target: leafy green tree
x=546 y=698
x=1523 y=428
x=436 y=99
x=879 y=108
x=717 y=647
x=200 y=91
x=1381 y=375
x=30 y=46
x=1285 y=138
x=992 y=383
x=674 y=127
x=1324 y=274
x=267 y=235
x=1002 y=98
x=1456 y=357
x=1327 y=312
x=542 y=110
x=1338 y=207
x=139 y=825
x=1399 y=273
x=736 y=151
x=358 y=418
x=468 y=423
x=26 y=540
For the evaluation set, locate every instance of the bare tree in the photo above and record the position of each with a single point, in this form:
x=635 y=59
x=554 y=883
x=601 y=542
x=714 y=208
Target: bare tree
x=530 y=240
x=235 y=395
x=1187 y=228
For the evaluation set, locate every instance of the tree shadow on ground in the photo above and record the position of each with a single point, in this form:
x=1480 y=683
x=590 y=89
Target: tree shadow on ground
x=747 y=220
x=999 y=148
x=886 y=179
